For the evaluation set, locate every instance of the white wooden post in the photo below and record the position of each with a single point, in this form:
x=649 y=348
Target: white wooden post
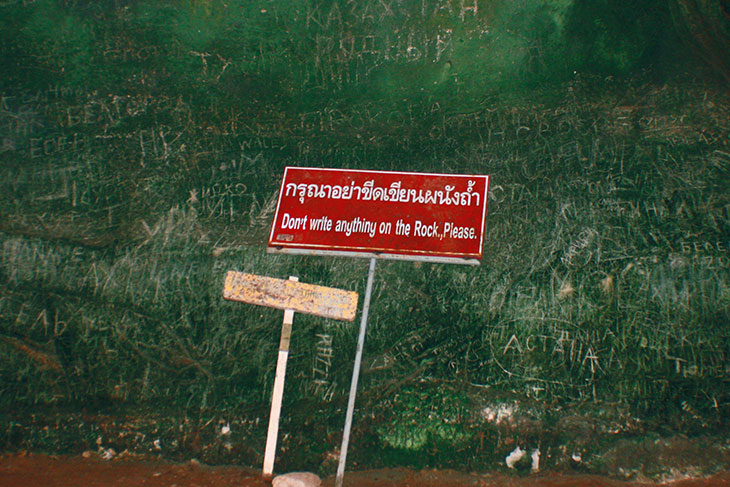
x=278 y=393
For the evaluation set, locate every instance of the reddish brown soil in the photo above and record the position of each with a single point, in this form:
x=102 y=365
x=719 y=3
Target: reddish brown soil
x=22 y=470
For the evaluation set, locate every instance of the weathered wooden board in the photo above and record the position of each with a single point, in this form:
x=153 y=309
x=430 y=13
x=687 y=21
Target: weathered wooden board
x=285 y=294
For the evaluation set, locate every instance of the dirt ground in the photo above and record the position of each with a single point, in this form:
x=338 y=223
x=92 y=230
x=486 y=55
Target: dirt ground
x=33 y=470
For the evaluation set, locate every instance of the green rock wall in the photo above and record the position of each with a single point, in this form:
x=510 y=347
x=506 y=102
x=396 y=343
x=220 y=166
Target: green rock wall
x=142 y=145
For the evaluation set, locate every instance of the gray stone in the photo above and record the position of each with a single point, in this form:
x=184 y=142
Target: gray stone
x=297 y=479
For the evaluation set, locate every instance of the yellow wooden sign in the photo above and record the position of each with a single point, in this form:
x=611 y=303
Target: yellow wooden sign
x=285 y=294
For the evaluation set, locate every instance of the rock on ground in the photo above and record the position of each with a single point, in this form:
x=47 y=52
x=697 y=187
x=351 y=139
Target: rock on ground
x=297 y=479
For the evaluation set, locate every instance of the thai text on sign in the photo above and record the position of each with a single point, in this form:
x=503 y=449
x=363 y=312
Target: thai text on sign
x=384 y=212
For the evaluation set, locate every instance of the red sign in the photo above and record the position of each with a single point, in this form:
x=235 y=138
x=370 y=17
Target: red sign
x=396 y=213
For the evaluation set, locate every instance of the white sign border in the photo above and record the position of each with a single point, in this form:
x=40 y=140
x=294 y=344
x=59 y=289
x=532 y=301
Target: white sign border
x=375 y=255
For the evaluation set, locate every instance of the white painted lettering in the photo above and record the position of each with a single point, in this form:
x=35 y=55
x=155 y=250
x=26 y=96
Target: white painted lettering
x=289 y=222
x=462 y=233
x=422 y=230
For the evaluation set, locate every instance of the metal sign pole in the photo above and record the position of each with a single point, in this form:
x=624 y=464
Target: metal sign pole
x=355 y=376
x=278 y=393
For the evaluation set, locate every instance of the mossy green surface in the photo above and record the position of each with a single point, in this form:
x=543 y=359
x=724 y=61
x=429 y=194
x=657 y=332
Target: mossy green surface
x=141 y=152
